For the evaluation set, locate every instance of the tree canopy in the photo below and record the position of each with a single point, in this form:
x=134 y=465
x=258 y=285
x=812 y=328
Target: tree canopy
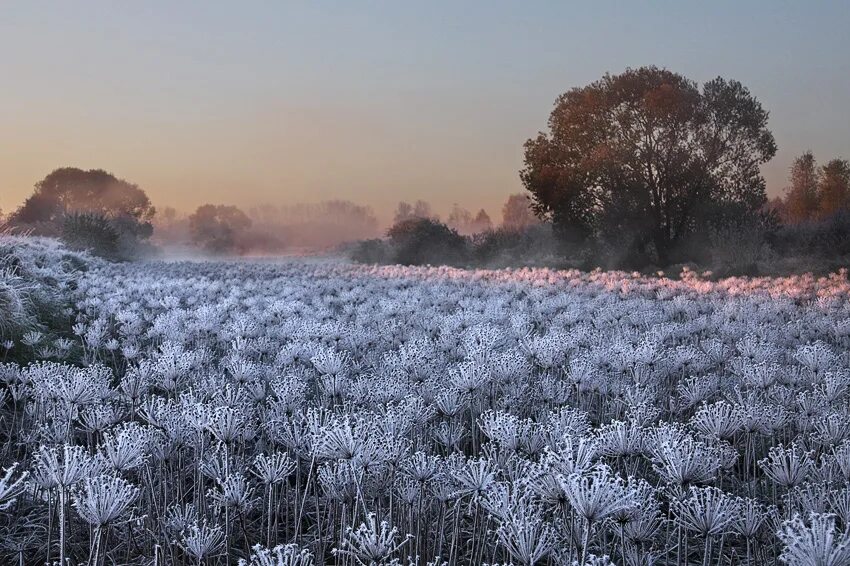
x=648 y=151
x=72 y=190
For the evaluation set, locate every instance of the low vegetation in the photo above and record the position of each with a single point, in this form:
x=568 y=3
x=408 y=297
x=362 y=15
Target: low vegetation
x=326 y=413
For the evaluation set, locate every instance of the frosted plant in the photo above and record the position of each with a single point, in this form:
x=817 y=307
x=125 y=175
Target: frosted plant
x=226 y=424
x=683 y=461
x=620 y=439
x=179 y=518
x=273 y=469
x=752 y=517
x=475 y=477
x=10 y=489
x=233 y=493
x=125 y=450
x=103 y=499
x=371 y=544
x=811 y=498
x=339 y=482
x=788 y=467
x=449 y=435
x=721 y=420
x=832 y=428
x=594 y=497
x=100 y=501
x=838 y=502
x=63 y=468
x=32 y=338
x=501 y=427
x=470 y=377
x=814 y=542
x=817 y=358
x=202 y=541
x=282 y=555
x=326 y=389
x=526 y=536
x=835 y=386
x=567 y=421
x=707 y=511
x=451 y=402
x=572 y=455
x=422 y=467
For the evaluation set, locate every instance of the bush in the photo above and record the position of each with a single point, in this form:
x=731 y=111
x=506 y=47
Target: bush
x=219 y=229
x=115 y=239
x=91 y=232
x=826 y=239
x=35 y=277
x=534 y=245
x=423 y=241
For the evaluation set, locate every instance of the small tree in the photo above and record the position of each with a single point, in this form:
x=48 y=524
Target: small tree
x=217 y=228
x=801 y=201
x=459 y=219
x=420 y=241
x=517 y=213
x=420 y=209
x=481 y=222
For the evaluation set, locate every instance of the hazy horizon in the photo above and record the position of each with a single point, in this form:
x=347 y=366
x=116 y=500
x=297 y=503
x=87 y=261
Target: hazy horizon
x=375 y=103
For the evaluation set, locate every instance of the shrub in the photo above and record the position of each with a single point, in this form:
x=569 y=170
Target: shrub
x=91 y=232
x=421 y=241
x=533 y=245
x=36 y=275
x=116 y=239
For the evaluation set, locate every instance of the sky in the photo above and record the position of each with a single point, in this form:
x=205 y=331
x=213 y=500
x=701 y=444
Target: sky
x=249 y=103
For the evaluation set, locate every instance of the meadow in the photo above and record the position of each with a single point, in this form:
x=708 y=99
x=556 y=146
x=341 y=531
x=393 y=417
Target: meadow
x=319 y=412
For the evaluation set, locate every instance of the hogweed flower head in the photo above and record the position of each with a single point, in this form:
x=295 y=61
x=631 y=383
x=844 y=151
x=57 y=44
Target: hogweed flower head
x=103 y=499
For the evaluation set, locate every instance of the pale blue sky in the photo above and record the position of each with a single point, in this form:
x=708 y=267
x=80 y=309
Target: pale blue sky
x=251 y=102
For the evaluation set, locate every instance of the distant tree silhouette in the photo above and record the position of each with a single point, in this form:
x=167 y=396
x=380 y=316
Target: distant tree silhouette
x=517 y=213
x=70 y=201
x=216 y=228
x=71 y=190
x=420 y=209
x=481 y=222
x=801 y=200
x=169 y=214
x=459 y=219
x=648 y=150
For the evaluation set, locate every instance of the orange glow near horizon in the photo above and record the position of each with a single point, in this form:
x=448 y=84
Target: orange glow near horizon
x=297 y=103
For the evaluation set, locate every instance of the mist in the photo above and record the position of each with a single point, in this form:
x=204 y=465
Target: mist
x=299 y=228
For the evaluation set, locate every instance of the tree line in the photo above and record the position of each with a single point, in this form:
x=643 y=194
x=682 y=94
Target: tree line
x=640 y=170
x=648 y=169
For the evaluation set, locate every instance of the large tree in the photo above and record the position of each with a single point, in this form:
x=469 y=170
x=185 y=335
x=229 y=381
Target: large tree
x=651 y=151
x=72 y=190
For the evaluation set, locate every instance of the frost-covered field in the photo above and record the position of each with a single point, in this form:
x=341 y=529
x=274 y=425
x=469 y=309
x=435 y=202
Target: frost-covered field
x=362 y=415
